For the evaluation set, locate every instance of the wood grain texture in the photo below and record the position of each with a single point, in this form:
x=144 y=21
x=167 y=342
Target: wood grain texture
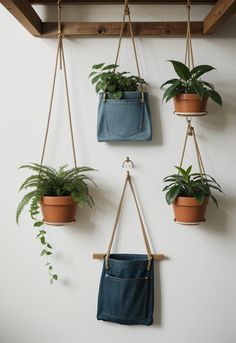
x=112 y=29
x=112 y=2
x=100 y=256
x=25 y=14
x=223 y=10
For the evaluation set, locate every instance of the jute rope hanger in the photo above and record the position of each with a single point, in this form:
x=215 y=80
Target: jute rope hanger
x=128 y=181
x=60 y=57
x=127 y=14
x=190 y=132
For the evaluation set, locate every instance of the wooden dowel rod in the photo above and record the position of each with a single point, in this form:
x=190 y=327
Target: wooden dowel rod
x=100 y=256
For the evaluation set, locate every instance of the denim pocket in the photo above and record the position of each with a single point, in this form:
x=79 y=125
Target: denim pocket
x=124 y=117
x=125 y=298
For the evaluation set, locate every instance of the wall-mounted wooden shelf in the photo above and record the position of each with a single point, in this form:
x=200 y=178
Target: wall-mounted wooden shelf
x=23 y=11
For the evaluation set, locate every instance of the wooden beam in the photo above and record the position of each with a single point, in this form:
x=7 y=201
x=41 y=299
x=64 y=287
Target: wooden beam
x=25 y=14
x=158 y=257
x=105 y=29
x=222 y=11
x=112 y=2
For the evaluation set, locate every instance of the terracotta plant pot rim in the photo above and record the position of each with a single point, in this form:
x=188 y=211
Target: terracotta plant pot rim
x=58 y=200
x=189 y=96
x=189 y=201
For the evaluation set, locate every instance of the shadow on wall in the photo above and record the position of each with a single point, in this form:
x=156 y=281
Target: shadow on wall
x=217 y=219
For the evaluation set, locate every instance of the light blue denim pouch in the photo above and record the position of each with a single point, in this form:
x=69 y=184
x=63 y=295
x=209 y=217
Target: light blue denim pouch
x=126 y=119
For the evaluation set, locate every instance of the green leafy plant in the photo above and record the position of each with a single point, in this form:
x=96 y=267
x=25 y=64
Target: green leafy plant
x=47 y=181
x=189 y=82
x=106 y=79
x=187 y=184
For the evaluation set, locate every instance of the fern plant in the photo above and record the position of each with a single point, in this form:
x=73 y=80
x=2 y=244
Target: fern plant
x=47 y=181
x=107 y=80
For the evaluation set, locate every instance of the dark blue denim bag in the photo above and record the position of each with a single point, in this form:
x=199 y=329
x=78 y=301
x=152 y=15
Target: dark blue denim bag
x=126 y=292
x=126 y=119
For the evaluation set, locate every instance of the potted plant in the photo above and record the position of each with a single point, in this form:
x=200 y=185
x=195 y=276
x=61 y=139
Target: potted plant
x=123 y=111
x=58 y=193
x=189 y=194
x=189 y=92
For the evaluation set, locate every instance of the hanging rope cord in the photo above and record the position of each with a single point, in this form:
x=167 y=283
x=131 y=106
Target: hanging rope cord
x=128 y=180
x=191 y=132
x=189 y=60
x=60 y=57
x=127 y=14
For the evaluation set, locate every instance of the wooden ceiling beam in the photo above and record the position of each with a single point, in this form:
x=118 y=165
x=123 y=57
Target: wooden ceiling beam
x=25 y=14
x=112 y=29
x=112 y=2
x=223 y=10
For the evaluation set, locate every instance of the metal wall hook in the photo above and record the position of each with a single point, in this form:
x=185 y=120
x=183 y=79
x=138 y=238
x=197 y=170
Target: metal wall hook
x=128 y=160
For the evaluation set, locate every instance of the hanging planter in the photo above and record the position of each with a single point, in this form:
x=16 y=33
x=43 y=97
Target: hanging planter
x=189 y=91
x=189 y=194
x=58 y=192
x=123 y=111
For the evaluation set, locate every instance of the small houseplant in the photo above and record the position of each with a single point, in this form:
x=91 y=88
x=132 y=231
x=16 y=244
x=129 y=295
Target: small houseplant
x=189 y=194
x=108 y=80
x=123 y=111
x=189 y=92
x=58 y=193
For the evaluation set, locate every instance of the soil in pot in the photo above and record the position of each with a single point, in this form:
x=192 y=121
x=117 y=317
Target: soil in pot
x=58 y=210
x=190 y=103
x=189 y=210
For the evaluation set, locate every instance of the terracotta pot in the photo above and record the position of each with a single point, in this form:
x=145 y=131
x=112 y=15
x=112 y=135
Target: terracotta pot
x=190 y=103
x=58 y=209
x=189 y=210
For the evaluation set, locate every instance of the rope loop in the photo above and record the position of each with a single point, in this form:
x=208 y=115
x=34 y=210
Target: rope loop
x=60 y=59
x=127 y=13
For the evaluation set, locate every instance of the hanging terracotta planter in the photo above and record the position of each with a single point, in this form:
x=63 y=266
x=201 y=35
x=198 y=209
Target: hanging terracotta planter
x=58 y=210
x=189 y=211
x=189 y=194
x=190 y=103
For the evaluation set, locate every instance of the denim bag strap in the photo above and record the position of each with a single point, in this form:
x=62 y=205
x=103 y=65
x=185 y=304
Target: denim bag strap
x=128 y=180
x=127 y=13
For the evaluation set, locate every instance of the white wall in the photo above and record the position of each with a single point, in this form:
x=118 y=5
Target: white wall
x=196 y=285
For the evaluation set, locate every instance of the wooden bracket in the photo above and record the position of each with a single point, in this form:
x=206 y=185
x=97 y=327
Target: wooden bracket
x=23 y=11
x=100 y=256
x=223 y=10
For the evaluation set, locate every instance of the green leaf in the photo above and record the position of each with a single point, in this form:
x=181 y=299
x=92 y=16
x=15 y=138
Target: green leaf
x=92 y=73
x=50 y=268
x=38 y=224
x=198 y=71
x=173 y=93
x=49 y=246
x=43 y=252
x=95 y=79
x=98 y=66
x=172 y=81
x=49 y=253
x=214 y=96
x=110 y=66
x=181 y=70
x=172 y=194
x=171 y=88
x=42 y=240
x=198 y=89
x=55 y=277
x=200 y=197
x=99 y=86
